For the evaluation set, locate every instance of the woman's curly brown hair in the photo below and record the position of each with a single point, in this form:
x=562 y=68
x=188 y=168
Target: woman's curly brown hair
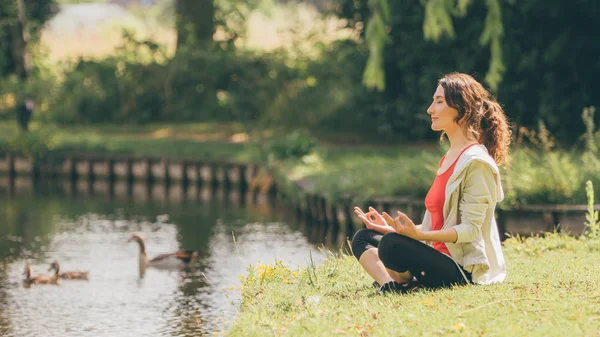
x=482 y=116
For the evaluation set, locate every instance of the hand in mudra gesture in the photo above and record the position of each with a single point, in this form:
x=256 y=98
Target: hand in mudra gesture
x=403 y=225
x=373 y=220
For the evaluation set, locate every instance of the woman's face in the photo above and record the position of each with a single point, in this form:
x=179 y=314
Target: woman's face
x=442 y=116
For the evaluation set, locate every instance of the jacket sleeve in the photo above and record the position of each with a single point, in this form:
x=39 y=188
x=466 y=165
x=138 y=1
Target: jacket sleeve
x=478 y=194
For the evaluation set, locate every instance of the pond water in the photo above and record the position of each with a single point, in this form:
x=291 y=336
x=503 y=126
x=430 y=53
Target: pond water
x=89 y=231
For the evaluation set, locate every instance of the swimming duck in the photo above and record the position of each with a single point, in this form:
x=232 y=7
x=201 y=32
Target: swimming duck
x=38 y=279
x=68 y=275
x=177 y=260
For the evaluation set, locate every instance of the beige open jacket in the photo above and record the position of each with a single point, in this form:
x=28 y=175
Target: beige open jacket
x=471 y=196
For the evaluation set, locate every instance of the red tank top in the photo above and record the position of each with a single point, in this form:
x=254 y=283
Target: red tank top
x=434 y=201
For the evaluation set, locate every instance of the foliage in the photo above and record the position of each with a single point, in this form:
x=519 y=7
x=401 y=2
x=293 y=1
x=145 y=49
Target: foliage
x=294 y=145
x=591 y=217
x=38 y=13
x=35 y=145
x=436 y=24
x=139 y=84
x=376 y=37
x=544 y=52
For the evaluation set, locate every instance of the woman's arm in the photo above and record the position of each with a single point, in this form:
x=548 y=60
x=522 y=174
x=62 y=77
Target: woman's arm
x=478 y=195
x=442 y=235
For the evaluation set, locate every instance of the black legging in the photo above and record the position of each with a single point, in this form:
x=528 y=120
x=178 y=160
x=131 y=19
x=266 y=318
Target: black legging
x=401 y=253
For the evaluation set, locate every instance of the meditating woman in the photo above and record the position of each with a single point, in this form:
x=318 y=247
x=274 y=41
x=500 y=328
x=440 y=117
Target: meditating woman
x=458 y=240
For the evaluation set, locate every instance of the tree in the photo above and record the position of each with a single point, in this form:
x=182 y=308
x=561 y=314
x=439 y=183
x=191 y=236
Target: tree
x=551 y=65
x=22 y=62
x=194 y=20
x=437 y=23
x=20 y=23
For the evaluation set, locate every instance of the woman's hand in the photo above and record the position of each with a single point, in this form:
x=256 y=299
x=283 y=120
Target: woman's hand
x=373 y=220
x=403 y=225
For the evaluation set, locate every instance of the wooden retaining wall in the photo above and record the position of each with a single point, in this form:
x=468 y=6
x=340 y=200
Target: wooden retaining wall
x=87 y=168
x=525 y=220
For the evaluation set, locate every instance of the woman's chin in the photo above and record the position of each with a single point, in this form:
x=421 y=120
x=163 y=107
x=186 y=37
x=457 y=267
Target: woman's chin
x=435 y=127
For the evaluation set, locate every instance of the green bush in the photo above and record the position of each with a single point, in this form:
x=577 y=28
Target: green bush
x=139 y=84
x=295 y=145
x=35 y=144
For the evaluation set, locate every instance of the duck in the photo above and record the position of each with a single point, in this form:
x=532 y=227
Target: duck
x=38 y=279
x=177 y=260
x=68 y=275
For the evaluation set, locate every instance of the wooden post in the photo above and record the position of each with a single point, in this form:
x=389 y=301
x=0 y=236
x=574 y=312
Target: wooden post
x=226 y=179
x=410 y=211
x=214 y=180
x=298 y=209
x=335 y=224
x=12 y=173
x=322 y=207
x=242 y=179
x=129 y=176
x=91 y=176
x=91 y=173
x=167 y=178
x=185 y=180
x=548 y=219
x=273 y=187
x=149 y=174
x=501 y=222
x=35 y=172
x=199 y=181
x=73 y=170
x=112 y=177
x=349 y=230
x=308 y=211
x=556 y=222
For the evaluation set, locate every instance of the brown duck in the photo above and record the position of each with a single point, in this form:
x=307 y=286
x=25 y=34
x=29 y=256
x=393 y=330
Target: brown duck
x=38 y=279
x=177 y=260
x=68 y=275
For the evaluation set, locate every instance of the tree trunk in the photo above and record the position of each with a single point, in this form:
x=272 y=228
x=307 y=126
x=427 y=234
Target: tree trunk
x=22 y=62
x=194 y=21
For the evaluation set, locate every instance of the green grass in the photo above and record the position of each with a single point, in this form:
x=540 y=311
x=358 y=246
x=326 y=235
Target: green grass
x=363 y=173
x=535 y=177
x=537 y=299
x=192 y=140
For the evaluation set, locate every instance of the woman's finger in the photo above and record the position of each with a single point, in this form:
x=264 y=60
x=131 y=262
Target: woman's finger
x=388 y=219
x=404 y=217
x=364 y=220
x=371 y=209
x=357 y=209
x=374 y=215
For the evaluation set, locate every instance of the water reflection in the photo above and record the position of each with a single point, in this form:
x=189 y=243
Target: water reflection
x=90 y=232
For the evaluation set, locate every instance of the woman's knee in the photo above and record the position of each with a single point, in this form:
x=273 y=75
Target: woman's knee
x=389 y=247
x=361 y=241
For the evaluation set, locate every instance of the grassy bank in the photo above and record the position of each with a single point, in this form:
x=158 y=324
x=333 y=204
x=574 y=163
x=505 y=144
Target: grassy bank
x=200 y=140
x=331 y=165
x=537 y=299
